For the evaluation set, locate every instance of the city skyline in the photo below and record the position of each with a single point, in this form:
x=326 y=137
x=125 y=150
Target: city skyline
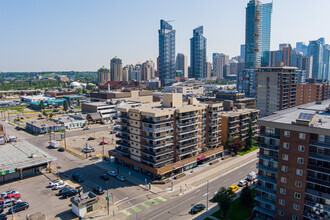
x=47 y=36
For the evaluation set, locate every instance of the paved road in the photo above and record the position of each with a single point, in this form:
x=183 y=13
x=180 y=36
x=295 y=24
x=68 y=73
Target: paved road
x=179 y=207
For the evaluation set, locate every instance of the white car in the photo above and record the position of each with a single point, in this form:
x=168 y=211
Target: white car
x=60 y=185
x=52 y=183
x=242 y=183
x=4 y=194
x=112 y=173
x=9 y=202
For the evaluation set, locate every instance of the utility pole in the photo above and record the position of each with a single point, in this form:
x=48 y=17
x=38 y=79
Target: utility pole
x=65 y=140
x=103 y=146
x=207 y=195
x=108 y=199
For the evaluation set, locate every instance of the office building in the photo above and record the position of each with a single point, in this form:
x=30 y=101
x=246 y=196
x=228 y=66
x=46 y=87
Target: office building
x=246 y=82
x=302 y=47
x=242 y=54
x=208 y=70
x=294 y=174
x=276 y=89
x=116 y=69
x=144 y=96
x=220 y=63
x=103 y=75
x=198 y=54
x=147 y=70
x=313 y=91
x=182 y=64
x=257 y=34
x=158 y=139
x=315 y=50
x=307 y=65
x=166 y=53
x=326 y=62
x=239 y=100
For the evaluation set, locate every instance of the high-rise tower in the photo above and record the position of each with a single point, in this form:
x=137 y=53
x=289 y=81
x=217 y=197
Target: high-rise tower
x=166 y=53
x=116 y=69
x=257 y=34
x=198 y=54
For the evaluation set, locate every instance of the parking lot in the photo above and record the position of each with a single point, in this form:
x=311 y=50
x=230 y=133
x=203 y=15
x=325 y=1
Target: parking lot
x=77 y=143
x=35 y=191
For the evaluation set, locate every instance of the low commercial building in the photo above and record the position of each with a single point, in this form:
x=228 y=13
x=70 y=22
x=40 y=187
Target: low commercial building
x=73 y=99
x=22 y=159
x=85 y=203
x=71 y=121
x=60 y=94
x=135 y=95
x=43 y=126
x=35 y=98
x=156 y=138
x=236 y=123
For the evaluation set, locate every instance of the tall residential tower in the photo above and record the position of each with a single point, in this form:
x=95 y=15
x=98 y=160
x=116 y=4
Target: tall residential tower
x=198 y=54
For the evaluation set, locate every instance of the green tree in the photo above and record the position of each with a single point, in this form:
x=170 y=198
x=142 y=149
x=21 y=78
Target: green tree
x=44 y=113
x=246 y=197
x=41 y=105
x=236 y=145
x=65 y=105
x=51 y=115
x=224 y=197
x=78 y=102
x=228 y=142
x=250 y=136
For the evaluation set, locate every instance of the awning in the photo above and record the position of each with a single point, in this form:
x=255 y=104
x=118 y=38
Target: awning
x=201 y=157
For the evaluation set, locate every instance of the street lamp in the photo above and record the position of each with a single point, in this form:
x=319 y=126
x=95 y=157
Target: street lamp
x=136 y=215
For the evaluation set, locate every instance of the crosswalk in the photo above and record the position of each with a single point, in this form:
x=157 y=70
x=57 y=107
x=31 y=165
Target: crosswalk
x=145 y=205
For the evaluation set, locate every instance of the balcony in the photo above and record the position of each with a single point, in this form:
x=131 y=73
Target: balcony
x=184 y=153
x=189 y=131
x=315 y=156
x=268 y=147
x=268 y=157
x=269 y=169
x=123 y=137
x=317 y=144
x=123 y=144
x=122 y=151
x=186 y=124
x=150 y=121
x=312 y=204
x=122 y=123
x=157 y=130
x=190 y=116
x=264 y=211
x=267 y=179
x=317 y=181
x=158 y=153
x=156 y=146
x=157 y=138
x=318 y=168
x=157 y=161
x=265 y=200
x=190 y=137
x=318 y=194
x=184 y=146
x=270 y=135
x=266 y=190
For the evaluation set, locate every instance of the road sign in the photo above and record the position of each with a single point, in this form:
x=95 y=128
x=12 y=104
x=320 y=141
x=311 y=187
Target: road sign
x=108 y=198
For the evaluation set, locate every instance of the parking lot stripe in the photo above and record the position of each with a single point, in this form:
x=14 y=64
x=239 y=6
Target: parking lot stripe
x=136 y=209
x=145 y=205
x=162 y=199
x=127 y=213
x=153 y=202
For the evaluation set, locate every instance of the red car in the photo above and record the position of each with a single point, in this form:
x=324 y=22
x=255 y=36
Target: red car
x=11 y=196
x=103 y=143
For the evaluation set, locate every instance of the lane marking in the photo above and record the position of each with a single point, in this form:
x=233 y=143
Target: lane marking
x=136 y=209
x=120 y=200
x=161 y=199
x=145 y=205
x=153 y=201
x=127 y=213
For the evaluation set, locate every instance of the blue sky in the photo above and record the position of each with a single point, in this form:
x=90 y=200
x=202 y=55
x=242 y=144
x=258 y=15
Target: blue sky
x=53 y=35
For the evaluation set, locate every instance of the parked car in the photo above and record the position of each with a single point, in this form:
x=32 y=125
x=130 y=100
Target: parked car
x=121 y=178
x=233 y=188
x=60 y=185
x=242 y=183
x=9 y=202
x=61 y=149
x=52 y=183
x=88 y=150
x=98 y=190
x=112 y=173
x=104 y=176
x=103 y=143
x=251 y=176
x=3 y=217
x=4 y=194
x=85 y=129
x=197 y=208
x=77 y=177
x=65 y=190
x=19 y=207
x=11 y=196
x=113 y=132
x=18 y=128
x=69 y=193
x=91 y=138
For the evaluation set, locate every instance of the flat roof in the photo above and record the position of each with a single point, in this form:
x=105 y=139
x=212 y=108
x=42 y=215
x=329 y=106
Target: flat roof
x=98 y=104
x=239 y=112
x=292 y=114
x=74 y=96
x=17 y=155
x=42 y=122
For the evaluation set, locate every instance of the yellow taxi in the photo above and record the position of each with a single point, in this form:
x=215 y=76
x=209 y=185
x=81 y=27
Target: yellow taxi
x=233 y=188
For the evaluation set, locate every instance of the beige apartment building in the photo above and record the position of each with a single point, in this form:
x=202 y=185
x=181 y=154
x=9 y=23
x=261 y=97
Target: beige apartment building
x=160 y=138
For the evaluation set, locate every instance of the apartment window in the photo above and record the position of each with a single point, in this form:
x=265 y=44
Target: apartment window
x=286 y=133
x=296 y=206
x=283 y=179
x=285 y=157
x=282 y=191
x=301 y=148
x=321 y=139
x=284 y=169
x=286 y=145
x=280 y=212
x=294 y=217
x=302 y=136
x=299 y=172
x=297 y=195
x=300 y=160
x=281 y=201
x=298 y=184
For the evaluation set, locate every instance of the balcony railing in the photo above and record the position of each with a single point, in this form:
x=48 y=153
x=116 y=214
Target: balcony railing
x=268 y=147
x=267 y=179
x=266 y=190
x=158 y=161
x=156 y=130
x=158 y=153
x=157 y=138
x=323 y=157
x=318 y=194
x=190 y=137
x=315 y=180
x=318 y=168
x=123 y=137
x=267 y=157
x=270 y=135
x=122 y=151
x=265 y=200
x=156 y=146
x=150 y=121
x=317 y=144
x=266 y=168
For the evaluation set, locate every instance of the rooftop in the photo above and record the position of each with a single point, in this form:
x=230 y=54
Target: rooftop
x=289 y=116
x=18 y=155
x=42 y=122
x=238 y=112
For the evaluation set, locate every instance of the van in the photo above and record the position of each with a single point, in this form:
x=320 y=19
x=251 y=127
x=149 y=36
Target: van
x=251 y=176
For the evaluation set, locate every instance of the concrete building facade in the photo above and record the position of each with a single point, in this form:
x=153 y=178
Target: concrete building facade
x=116 y=69
x=103 y=75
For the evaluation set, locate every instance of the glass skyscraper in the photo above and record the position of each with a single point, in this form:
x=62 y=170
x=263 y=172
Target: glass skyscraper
x=316 y=51
x=257 y=34
x=166 y=53
x=198 y=54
